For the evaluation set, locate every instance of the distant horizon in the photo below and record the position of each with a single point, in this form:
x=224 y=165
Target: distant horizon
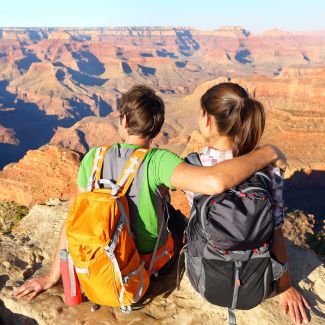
x=160 y=26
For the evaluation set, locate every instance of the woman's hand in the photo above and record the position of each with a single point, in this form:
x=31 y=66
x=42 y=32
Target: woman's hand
x=292 y=302
x=281 y=161
x=35 y=286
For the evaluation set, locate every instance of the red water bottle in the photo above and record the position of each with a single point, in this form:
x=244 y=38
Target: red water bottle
x=71 y=285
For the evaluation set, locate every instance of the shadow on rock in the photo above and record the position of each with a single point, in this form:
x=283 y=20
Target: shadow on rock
x=7 y=317
x=305 y=191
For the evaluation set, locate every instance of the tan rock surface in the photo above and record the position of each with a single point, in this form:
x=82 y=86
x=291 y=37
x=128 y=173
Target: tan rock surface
x=41 y=174
x=27 y=251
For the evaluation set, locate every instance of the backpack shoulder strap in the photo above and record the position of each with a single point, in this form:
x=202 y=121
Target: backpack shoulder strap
x=131 y=167
x=97 y=167
x=193 y=159
x=231 y=317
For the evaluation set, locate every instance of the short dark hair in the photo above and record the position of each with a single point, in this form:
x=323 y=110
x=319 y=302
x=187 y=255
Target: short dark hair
x=144 y=111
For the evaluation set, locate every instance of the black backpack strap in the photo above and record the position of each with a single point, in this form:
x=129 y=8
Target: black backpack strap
x=193 y=159
x=180 y=267
x=264 y=175
x=231 y=317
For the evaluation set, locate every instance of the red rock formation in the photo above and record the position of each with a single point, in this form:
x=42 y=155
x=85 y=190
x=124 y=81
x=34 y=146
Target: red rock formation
x=48 y=172
x=87 y=133
x=94 y=131
x=8 y=136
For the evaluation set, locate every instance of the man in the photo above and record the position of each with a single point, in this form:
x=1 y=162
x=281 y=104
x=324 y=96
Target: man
x=141 y=118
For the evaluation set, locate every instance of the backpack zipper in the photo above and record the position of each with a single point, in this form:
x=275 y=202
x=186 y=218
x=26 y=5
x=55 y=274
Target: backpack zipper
x=238 y=265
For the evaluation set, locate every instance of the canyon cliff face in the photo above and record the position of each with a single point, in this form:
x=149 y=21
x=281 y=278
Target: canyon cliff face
x=295 y=118
x=87 y=133
x=295 y=115
x=52 y=78
x=42 y=174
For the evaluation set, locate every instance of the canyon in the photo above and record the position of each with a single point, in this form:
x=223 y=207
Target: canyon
x=52 y=78
x=62 y=86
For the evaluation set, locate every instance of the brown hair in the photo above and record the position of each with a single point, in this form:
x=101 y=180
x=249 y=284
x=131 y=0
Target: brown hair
x=236 y=114
x=144 y=111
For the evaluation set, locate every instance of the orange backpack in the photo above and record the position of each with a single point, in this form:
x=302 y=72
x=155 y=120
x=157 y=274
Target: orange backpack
x=100 y=240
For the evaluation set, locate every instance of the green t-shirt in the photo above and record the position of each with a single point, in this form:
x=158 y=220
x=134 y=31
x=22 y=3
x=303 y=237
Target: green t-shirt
x=159 y=165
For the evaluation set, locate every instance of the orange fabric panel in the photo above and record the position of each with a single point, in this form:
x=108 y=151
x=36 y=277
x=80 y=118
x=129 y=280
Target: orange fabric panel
x=90 y=227
x=166 y=252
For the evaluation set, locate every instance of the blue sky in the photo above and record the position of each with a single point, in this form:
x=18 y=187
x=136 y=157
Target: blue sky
x=254 y=15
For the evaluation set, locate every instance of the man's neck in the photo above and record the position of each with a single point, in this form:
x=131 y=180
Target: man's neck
x=137 y=141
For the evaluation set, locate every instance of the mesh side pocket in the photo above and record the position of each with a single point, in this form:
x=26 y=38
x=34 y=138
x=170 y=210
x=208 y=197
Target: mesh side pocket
x=193 y=267
x=218 y=281
x=256 y=280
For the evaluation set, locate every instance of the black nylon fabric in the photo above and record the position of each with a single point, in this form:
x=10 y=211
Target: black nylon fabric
x=214 y=279
x=252 y=289
x=232 y=222
x=219 y=282
x=238 y=223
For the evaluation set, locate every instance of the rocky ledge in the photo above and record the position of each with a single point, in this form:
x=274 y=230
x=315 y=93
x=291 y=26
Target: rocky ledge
x=26 y=252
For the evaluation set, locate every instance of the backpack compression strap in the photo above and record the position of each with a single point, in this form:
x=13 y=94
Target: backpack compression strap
x=97 y=167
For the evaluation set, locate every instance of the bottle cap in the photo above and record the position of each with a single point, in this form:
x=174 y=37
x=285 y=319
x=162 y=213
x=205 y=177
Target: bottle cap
x=64 y=255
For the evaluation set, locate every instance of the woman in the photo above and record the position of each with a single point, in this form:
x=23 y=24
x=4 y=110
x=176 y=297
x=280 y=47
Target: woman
x=232 y=124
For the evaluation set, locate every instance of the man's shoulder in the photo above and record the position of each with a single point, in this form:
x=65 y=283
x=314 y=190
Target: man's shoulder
x=158 y=151
x=165 y=154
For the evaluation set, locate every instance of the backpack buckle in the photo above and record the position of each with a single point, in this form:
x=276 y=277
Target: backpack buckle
x=115 y=189
x=109 y=252
x=126 y=309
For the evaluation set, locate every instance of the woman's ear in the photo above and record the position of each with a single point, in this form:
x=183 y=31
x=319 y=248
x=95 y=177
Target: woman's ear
x=208 y=120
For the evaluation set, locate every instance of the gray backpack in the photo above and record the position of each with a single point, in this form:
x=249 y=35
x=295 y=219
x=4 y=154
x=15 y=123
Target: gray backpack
x=228 y=256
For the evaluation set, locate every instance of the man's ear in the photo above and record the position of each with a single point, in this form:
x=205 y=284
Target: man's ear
x=124 y=122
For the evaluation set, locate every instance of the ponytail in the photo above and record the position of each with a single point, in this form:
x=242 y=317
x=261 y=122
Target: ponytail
x=236 y=115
